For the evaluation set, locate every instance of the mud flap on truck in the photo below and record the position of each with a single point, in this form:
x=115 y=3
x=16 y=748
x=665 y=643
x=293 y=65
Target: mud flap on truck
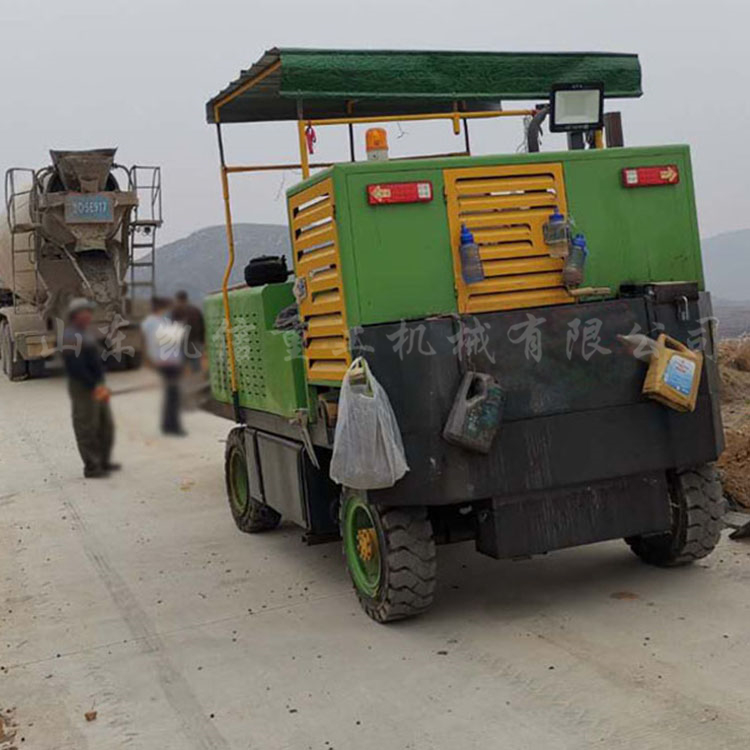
x=538 y=522
x=281 y=476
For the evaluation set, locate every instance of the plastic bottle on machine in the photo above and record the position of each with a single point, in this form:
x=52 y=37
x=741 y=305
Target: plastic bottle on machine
x=556 y=234
x=575 y=262
x=471 y=262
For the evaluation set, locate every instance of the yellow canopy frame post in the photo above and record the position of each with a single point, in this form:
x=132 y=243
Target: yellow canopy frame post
x=225 y=280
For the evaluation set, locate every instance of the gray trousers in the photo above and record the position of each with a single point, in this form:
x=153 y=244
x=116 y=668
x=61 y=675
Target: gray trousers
x=93 y=426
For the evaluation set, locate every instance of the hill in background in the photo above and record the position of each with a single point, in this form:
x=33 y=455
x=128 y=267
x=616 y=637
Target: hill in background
x=726 y=262
x=196 y=264
x=726 y=258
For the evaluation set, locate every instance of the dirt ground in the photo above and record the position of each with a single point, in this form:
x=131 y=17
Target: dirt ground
x=134 y=615
x=734 y=366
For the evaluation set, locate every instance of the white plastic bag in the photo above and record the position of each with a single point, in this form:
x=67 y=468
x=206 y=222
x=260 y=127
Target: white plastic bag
x=368 y=452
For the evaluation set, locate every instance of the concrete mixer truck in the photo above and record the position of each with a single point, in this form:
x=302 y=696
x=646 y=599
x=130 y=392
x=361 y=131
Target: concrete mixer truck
x=83 y=226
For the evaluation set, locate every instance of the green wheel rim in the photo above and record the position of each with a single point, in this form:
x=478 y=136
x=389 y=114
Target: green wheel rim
x=240 y=490
x=364 y=568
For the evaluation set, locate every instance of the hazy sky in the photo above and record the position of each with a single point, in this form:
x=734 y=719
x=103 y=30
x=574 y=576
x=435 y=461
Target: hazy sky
x=137 y=73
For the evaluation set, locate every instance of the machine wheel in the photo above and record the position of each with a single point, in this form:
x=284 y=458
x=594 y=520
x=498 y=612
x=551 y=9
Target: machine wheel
x=697 y=509
x=14 y=370
x=390 y=555
x=249 y=515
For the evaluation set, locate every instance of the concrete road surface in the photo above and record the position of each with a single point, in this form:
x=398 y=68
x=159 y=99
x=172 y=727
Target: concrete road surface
x=137 y=598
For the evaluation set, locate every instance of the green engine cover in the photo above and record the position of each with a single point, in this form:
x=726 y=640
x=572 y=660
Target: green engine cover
x=270 y=368
x=396 y=259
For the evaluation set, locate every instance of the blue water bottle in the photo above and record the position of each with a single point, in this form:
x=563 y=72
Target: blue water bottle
x=471 y=262
x=575 y=262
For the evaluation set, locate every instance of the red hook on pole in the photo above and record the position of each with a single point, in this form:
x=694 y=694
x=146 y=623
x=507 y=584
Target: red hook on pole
x=311 y=138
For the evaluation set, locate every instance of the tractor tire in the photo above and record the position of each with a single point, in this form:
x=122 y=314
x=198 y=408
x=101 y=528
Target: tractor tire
x=698 y=507
x=249 y=515
x=14 y=369
x=390 y=556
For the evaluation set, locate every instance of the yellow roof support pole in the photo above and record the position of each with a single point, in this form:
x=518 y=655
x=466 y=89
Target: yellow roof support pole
x=225 y=280
x=230 y=232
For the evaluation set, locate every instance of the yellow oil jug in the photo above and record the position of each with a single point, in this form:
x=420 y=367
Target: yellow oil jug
x=674 y=374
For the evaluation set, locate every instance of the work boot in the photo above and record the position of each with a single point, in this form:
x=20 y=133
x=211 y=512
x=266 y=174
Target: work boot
x=96 y=472
x=112 y=467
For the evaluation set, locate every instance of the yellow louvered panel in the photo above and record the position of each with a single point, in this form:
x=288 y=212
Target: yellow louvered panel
x=325 y=371
x=480 y=186
x=322 y=303
x=508 y=234
x=517 y=300
x=511 y=250
x=506 y=208
x=494 y=284
x=522 y=266
x=316 y=236
x=324 y=280
x=309 y=261
x=317 y=261
x=325 y=325
x=320 y=211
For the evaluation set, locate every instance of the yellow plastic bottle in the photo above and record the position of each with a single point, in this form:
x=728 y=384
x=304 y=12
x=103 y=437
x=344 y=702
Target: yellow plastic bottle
x=674 y=374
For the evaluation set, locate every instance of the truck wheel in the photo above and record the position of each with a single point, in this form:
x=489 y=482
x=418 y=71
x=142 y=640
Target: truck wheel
x=697 y=509
x=390 y=555
x=249 y=515
x=13 y=369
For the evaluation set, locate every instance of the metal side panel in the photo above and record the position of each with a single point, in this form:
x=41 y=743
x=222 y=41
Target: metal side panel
x=574 y=410
x=539 y=522
x=283 y=478
x=255 y=481
x=287 y=481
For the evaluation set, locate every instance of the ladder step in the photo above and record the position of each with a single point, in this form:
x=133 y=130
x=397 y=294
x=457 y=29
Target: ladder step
x=145 y=223
x=24 y=228
x=139 y=264
x=143 y=244
x=140 y=283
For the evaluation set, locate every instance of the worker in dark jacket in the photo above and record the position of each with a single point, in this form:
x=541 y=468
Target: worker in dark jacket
x=192 y=318
x=92 y=417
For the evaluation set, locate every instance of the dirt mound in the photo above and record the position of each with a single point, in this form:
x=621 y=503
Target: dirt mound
x=734 y=463
x=735 y=353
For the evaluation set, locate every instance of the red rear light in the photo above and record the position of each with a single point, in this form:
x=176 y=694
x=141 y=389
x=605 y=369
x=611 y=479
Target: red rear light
x=667 y=174
x=384 y=193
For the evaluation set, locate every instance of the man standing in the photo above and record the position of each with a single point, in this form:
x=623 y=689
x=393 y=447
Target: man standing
x=92 y=418
x=164 y=348
x=192 y=318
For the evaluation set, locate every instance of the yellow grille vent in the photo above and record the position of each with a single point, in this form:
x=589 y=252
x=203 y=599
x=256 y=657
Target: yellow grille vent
x=506 y=208
x=317 y=263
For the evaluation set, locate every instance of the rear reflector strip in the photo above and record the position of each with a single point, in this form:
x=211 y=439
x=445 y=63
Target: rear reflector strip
x=384 y=193
x=667 y=174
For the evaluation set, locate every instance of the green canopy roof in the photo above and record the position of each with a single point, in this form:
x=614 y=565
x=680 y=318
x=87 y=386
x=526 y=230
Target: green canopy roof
x=335 y=83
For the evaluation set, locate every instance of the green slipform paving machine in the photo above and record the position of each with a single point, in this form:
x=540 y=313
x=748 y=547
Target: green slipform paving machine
x=581 y=455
